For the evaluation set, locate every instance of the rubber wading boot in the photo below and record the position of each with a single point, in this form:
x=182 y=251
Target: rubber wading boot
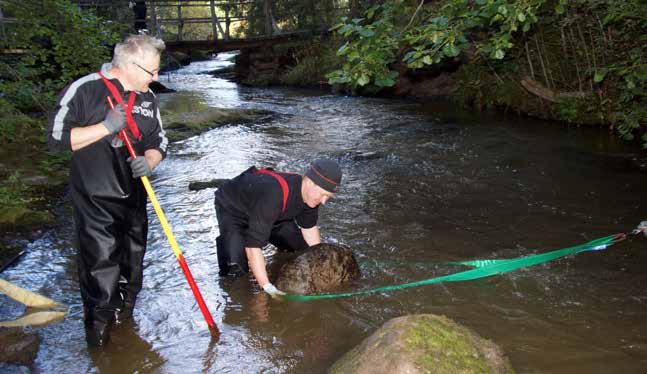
x=235 y=270
x=125 y=313
x=97 y=332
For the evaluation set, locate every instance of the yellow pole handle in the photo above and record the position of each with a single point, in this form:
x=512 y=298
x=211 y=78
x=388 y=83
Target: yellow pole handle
x=161 y=216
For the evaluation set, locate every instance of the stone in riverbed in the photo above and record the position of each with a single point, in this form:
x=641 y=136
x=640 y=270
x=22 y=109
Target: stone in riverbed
x=423 y=343
x=322 y=268
x=18 y=346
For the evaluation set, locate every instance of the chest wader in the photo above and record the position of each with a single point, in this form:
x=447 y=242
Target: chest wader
x=230 y=245
x=111 y=230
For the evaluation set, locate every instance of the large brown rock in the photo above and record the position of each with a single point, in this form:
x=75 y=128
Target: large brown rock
x=322 y=268
x=18 y=346
x=423 y=343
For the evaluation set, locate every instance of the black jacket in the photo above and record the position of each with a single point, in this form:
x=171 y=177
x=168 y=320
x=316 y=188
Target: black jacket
x=100 y=169
x=258 y=199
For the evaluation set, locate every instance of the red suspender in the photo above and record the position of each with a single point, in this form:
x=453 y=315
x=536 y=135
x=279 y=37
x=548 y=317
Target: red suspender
x=132 y=125
x=282 y=182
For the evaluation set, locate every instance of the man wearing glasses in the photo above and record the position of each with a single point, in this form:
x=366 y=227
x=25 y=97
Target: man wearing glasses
x=109 y=199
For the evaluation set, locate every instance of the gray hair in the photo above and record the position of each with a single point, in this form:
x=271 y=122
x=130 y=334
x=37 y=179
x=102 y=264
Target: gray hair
x=136 y=46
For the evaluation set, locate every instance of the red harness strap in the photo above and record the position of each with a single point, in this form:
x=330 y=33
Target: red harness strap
x=132 y=125
x=282 y=182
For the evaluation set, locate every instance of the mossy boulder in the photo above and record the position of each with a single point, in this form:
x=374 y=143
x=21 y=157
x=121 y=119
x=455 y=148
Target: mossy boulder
x=423 y=343
x=185 y=114
x=323 y=267
x=175 y=60
x=21 y=217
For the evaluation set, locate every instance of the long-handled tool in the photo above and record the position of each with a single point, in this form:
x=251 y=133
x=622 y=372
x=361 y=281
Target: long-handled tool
x=171 y=238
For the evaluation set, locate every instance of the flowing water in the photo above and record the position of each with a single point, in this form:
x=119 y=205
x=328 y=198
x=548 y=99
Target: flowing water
x=424 y=182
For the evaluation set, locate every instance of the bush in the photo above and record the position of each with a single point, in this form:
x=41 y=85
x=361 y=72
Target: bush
x=58 y=43
x=313 y=62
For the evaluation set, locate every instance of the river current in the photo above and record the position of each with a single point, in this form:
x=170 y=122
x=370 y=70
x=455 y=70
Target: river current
x=424 y=182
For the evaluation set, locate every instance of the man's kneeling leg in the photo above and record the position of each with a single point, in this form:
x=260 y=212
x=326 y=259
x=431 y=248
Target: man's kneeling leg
x=232 y=259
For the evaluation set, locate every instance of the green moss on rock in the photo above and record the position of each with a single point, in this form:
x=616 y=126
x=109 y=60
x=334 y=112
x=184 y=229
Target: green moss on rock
x=186 y=114
x=448 y=347
x=21 y=218
x=423 y=344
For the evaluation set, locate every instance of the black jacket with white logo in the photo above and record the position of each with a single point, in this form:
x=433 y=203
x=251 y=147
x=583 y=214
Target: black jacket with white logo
x=100 y=170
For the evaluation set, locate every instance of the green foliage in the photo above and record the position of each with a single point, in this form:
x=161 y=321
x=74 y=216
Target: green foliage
x=446 y=31
x=383 y=35
x=630 y=109
x=12 y=192
x=625 y=77
x=16 y=126
x=314 y=60
x=58 y=43
x=568 y=110
x=594 y=48
x=371 y=47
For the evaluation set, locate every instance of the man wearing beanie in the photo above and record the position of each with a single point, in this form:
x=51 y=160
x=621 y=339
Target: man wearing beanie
x=261 y=206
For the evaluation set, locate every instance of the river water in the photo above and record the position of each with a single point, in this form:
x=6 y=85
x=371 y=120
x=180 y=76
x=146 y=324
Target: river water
x=424 y=182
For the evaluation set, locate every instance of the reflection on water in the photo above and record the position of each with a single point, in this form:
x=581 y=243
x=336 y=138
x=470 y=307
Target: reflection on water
x=423 y=182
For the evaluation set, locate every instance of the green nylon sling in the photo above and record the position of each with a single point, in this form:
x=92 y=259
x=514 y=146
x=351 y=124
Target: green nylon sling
x=482 y=268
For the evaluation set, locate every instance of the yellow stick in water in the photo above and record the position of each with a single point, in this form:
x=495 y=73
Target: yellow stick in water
x=34 y=319
x=23 y=296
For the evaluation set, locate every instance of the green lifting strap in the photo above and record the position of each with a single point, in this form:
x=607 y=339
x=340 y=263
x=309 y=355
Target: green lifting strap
x=482 y=268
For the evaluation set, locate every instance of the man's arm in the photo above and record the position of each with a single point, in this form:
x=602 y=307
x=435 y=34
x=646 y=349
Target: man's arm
x=84 y=136
x=153 y=157
x=257 y=265
x=311 y=235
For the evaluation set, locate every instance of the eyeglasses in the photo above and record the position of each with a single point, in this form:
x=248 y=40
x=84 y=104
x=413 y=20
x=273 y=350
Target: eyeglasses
x=151 y=73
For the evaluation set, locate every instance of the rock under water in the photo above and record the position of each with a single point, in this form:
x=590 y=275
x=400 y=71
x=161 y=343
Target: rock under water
x=18 y=346
x=323 y=267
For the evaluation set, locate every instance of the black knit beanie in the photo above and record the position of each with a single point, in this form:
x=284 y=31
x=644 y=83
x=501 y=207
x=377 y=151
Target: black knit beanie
x=325 y=173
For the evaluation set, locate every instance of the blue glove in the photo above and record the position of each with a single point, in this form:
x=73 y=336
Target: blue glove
x=139 y=166
x=116 y=119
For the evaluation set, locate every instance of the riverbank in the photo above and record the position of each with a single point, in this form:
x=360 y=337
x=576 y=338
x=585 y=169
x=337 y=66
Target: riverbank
x=581 y=65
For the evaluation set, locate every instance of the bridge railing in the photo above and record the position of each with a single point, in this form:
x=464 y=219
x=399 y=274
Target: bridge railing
x=180 y=20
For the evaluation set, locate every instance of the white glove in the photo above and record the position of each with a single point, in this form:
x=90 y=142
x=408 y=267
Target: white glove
x=272 y=291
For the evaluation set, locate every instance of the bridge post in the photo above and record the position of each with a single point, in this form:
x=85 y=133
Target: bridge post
x=156 y=24
x=180 y=24
x=271 y=28
x=227 y=21
x=2 y=32
x=267 y=9
x=215 y=24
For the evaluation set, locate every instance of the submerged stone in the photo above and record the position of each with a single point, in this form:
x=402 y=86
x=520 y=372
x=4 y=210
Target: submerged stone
x=423 y=343
x=18 y=346
x=186 y=114
x=323 y=267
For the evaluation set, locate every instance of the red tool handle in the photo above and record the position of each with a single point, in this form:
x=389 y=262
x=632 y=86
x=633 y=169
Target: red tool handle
x=178 y=254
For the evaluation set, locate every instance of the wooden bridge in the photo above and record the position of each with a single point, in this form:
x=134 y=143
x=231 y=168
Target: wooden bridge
x=231 y=44
x=219 y=25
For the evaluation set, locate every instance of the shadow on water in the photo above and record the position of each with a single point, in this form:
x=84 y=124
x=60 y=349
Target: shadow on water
x=424 y=182
x=137 y=355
